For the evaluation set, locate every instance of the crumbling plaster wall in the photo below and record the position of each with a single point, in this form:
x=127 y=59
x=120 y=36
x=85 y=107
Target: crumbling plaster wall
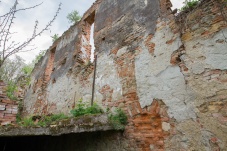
x=167 y=72
x=58 y=82
x=203 y=61
x=157 y=78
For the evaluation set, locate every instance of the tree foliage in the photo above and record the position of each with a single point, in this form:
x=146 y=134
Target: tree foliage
x=189 y=4
x=11 y=70
x=38 y=57
x=8 y=47
x=11 y=88
x=16 y=73
x=73 y=17
x=14 y=69
x=54 y=37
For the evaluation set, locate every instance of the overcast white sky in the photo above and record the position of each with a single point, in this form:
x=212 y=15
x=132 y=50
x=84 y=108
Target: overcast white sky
x=25 y=20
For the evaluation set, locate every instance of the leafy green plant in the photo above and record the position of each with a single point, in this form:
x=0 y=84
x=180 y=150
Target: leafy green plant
x=94 y=109
x=27 y=69
x=74 y=16
x=43 y=121
x=27 y=122
x=38 y=57
x=20 y=109
x=54 y=37
x=83 y=109
x=189 y=5
x=58 y=117
x=11 y=88
x=47 y=120
x=118 y=120
x=79 y=109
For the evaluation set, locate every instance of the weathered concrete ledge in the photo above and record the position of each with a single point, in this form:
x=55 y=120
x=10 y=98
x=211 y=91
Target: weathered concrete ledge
x=88 y=123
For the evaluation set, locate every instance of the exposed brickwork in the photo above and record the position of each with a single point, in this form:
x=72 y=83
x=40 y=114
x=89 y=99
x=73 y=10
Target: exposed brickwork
x=204 y=21
x=41 y=105
x=167 y=72
x=146 y=129
x=8 y=108
x=149 y=45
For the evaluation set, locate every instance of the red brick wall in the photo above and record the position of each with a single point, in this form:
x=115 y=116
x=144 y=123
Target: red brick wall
x=8 y=108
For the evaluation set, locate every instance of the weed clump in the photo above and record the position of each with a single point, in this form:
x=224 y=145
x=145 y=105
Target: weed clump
x=83 y=109
x=118 y=120
x=42 y=121
x=190 y=5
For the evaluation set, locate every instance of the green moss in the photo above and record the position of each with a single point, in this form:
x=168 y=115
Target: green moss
x=87 y=119
x=118 y=120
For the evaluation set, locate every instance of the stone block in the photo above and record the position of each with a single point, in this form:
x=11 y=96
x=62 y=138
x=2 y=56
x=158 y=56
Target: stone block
x=8 y=101
x=8 y=111
x=1 y=115
x=165 y=126
x=2 y=108
x=5 y=123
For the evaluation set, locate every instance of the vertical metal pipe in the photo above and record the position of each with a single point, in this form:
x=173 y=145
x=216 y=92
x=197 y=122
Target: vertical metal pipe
x=93 y=86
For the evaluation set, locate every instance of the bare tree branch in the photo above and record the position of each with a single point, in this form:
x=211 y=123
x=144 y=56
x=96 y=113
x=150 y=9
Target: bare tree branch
x=8 y=47
x=22 y=9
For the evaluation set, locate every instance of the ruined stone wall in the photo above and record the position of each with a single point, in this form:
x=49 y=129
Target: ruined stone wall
x=202 y=59
x=168 y=73
x=64 y=74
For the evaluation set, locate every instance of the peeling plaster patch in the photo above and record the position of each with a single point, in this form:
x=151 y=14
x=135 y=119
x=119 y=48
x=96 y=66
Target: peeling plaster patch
x=215 y=53
x=158 y=79
x=107 y=75
x=163 y=51
x=84 y=54
x=198 y=68
x=29 y=101
x=64 y=91
x=169 y=86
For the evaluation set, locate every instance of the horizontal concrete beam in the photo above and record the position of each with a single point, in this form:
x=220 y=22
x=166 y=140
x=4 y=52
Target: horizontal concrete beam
x=88 y=123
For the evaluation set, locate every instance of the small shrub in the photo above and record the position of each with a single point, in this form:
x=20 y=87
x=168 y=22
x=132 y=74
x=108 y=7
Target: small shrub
x=43 y=121
x=118 y=120
x=94 y=109
x=27 y=122
x=82 y=109
x=55 y=37
x=18 y=116
x=190 y=5
x=79 y=109
x=58 y=117
x=11 y=88
x=73 y=17
x=42 y=124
